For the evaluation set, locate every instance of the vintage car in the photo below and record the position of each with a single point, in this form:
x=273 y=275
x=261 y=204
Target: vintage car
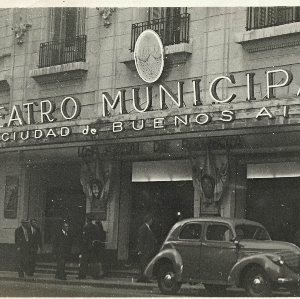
x=221 y=252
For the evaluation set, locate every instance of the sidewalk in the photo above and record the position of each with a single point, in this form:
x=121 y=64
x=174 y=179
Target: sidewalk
x=113 y=282
x=106 y=282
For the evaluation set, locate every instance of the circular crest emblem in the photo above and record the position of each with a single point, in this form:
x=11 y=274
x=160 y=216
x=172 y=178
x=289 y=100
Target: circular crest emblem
x=149 y=56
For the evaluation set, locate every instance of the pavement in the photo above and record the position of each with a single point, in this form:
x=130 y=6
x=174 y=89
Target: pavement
x=114 y=279
x=110 y=281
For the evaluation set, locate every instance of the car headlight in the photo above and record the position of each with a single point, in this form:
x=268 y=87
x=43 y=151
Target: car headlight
x=276 y=259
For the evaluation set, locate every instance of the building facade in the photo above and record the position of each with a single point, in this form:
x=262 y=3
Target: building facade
x=119 y=112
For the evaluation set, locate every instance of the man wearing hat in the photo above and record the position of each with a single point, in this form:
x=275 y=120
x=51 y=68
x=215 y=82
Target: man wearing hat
x=87 y=255
x=21 y=241
x=35 y=243
x=62 y=246
x=146 y=246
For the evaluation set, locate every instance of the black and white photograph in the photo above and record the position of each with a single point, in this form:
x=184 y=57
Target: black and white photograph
x=149 y=151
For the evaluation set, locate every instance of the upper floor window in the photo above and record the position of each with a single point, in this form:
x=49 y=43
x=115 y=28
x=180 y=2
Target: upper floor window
x=262 y=17
x=66 y=23
x=170 y=23
x=67 y=42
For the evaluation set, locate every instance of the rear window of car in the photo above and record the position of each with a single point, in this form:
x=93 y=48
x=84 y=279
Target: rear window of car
x=191 y=231
x=218 y=232
x=251 y=232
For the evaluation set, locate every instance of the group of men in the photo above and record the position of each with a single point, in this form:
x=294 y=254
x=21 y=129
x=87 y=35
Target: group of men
x=92 y=257
x=28 y=241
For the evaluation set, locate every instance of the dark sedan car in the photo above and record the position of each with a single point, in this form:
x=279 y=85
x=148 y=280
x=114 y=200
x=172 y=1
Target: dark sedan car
x=221 y=252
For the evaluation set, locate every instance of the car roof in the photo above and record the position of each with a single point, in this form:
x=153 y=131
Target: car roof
x=230 y=221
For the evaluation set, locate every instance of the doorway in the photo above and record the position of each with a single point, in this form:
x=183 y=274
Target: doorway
x=55 y=196
x=275 y=203
x=167 y=202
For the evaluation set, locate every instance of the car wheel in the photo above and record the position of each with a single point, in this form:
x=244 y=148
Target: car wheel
x=166 y=280
x=215 y=290
x=257 y=282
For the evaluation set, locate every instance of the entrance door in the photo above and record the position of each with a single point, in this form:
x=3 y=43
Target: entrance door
x=275 y=204
x=167 y=202
x=65 y=201
x=55 y=195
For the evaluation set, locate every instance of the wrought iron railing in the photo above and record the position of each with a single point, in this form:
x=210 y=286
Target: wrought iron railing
x=172 y=30
x=62 y=51
x=262 y=17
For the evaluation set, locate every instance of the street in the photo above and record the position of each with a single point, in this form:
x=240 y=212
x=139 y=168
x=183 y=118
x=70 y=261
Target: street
x=34 y=289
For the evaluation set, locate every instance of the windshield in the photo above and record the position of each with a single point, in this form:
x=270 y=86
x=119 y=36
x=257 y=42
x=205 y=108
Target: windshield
x=252 y=232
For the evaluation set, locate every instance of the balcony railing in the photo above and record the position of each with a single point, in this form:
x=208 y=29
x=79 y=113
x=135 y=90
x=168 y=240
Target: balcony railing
x=172 y=30
x=262 y=17
x=62 y=51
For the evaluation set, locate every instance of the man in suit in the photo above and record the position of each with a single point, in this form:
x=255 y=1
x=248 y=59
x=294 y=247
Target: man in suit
x=86 y=254
x=21 y=241
x=61 y=250
x=35 y=242
x=146 y=246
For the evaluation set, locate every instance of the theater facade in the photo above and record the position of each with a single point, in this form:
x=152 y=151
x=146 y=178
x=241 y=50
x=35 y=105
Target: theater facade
x=119 y=112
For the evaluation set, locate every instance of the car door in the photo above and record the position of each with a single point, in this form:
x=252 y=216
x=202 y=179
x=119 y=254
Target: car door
x=218 y=253
x=189 y=247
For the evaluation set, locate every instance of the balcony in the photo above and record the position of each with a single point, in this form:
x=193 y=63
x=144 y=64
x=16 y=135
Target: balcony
x=270 y=28
x=263 y=17
x=62 y=51
x=171 y=30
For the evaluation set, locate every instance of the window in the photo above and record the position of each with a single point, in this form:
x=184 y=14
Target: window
x=170 y=23
x=218 y=232
x=66 y=23
x=191 y=231
x=262 y=17
x=66 y=34
x=251 y=232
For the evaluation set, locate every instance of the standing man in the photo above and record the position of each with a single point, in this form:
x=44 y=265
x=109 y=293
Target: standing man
x=88 y=256
x=99 y=248
x=35 y=242
x=61 y=250
x=21 y=241
x=146 y=246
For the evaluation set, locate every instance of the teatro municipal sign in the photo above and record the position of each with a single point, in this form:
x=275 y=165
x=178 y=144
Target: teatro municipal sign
x=149 y=60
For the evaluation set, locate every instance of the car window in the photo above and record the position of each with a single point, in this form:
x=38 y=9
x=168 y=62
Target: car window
x=252 y=232
x=218 y=232
x=191 y=231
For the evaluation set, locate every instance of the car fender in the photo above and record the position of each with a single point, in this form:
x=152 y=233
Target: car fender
x=169 y=255
x=272 y=270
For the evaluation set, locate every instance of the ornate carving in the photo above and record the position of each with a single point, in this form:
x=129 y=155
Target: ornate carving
x=20 y=30
x=209 y=180
x=97 y=179
x=105 y=13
